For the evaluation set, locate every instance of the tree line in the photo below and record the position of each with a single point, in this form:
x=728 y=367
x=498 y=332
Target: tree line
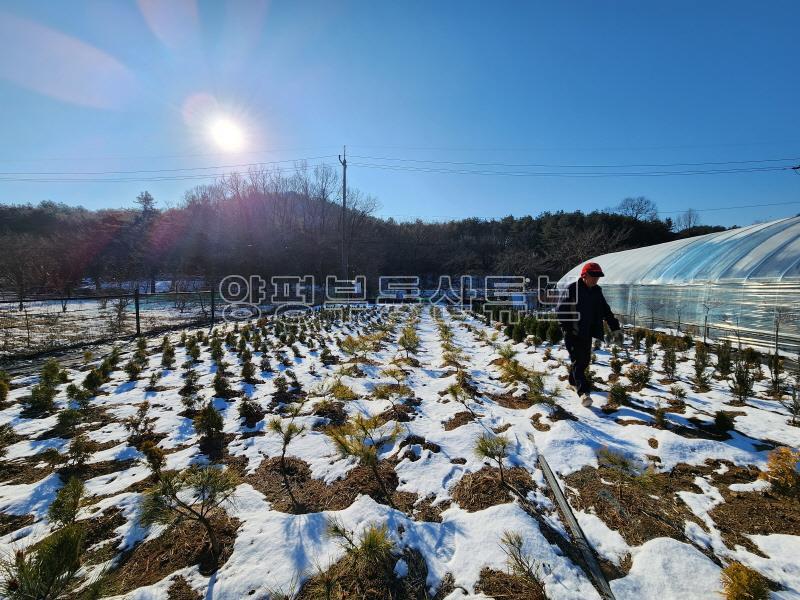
x=267 y=223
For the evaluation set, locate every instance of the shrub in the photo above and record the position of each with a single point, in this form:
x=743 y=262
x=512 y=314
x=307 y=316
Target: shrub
x=250 y=411
x=361 y=438
x=48 y=571
x=7 y=437
x=190 y=383
x=139 y=426
x=617 y=396
x=782 y=470
x=93 y=380
x=41 y=401
x=281 y=385
x=248 y=372
x=554 y=333
x=80 y=449
x=190 y=494
x=775 y=373
x=542 y=328
x=723 y=421
x=133 y=368
x=724 y=352
x=153 y=456
x=64 y=509
x=408 y=340
x=4 y=389
x=616 y=366
x=742 y=380
x=669 y=362
x=208 y=423
x=222 y=388
x=79 y=395
x=52 y=375
x=493 y=447
x=660 y=417
x=522 y=565
x=68 y=419
x=742 y=583
x=638 y=375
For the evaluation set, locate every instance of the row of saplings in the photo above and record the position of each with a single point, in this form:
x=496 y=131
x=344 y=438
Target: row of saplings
x=741 y=368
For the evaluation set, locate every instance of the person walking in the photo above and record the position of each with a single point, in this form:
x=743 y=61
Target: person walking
x=581 y=311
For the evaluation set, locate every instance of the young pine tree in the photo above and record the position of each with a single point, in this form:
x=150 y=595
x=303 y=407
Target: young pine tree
x=191 y=494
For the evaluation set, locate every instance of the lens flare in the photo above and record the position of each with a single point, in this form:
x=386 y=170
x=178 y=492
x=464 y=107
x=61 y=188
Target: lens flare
x=227 y=134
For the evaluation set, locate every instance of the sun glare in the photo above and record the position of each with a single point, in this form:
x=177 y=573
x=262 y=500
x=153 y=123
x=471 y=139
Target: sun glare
x=227 y=134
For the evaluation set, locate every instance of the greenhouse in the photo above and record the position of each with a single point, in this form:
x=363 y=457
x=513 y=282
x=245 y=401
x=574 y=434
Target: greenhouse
x=741 y=284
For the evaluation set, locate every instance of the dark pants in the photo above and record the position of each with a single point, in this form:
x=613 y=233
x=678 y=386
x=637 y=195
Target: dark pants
x=580 y=354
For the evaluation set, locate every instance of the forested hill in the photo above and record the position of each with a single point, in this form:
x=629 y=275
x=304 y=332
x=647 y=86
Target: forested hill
x=265 y=224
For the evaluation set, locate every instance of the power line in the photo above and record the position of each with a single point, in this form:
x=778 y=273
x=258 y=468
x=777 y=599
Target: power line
x=236 y=166
x=664 y=212
x=162 y=157
x=187 y=177
x=581 y=148
x=569 y=175
x=574 y=166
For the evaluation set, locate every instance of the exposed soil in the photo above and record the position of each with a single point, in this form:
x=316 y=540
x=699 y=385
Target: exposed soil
x=181 y=590
x=537 y=423
x=90 y=470
x=356 y=577
x=306 y=494
x=333 y=411
x=412 y=440
x=510 y=401
x=752 y=513
x=179 y=546
x=628 y=505
x=458 y=419
x=482 y=489
x=9 y=523
x=399 y=412
x=22 y=471
x=502 y=585
x=98 y=530
x=424 y=510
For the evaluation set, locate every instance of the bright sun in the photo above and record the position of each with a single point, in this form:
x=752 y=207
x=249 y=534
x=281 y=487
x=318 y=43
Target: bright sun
x=227 y=134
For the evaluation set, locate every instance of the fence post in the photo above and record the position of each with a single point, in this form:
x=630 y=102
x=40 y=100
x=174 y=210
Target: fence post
x=136 y=307
x=213 y=305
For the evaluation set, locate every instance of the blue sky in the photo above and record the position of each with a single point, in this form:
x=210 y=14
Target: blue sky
x=109 y=86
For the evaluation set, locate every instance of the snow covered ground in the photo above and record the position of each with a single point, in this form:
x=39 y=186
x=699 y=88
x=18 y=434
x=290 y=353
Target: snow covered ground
x=277 y=550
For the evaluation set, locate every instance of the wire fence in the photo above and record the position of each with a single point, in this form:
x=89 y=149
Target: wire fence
x=37 y=325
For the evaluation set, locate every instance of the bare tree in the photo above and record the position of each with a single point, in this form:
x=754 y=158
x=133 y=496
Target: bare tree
x=640 y=208
x=687 y=220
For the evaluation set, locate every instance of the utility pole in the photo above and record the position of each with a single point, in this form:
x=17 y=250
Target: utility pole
x=343 y=161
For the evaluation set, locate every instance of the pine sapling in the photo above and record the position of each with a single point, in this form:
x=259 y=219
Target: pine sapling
x=64 y=509
x=191 y=494
x=139 y=426
x=361 y=437
x=493 y=447
x=153 y=456
x=287 y=432
x=523 y=565
x=45 y=571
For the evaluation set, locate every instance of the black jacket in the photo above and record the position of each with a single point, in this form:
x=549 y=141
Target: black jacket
x=582 y=310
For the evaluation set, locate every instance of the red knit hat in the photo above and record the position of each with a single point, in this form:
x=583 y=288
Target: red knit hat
x=593 y=269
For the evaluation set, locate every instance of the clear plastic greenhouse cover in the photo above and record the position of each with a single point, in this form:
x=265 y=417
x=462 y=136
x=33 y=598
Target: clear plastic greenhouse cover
x=762 y=252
